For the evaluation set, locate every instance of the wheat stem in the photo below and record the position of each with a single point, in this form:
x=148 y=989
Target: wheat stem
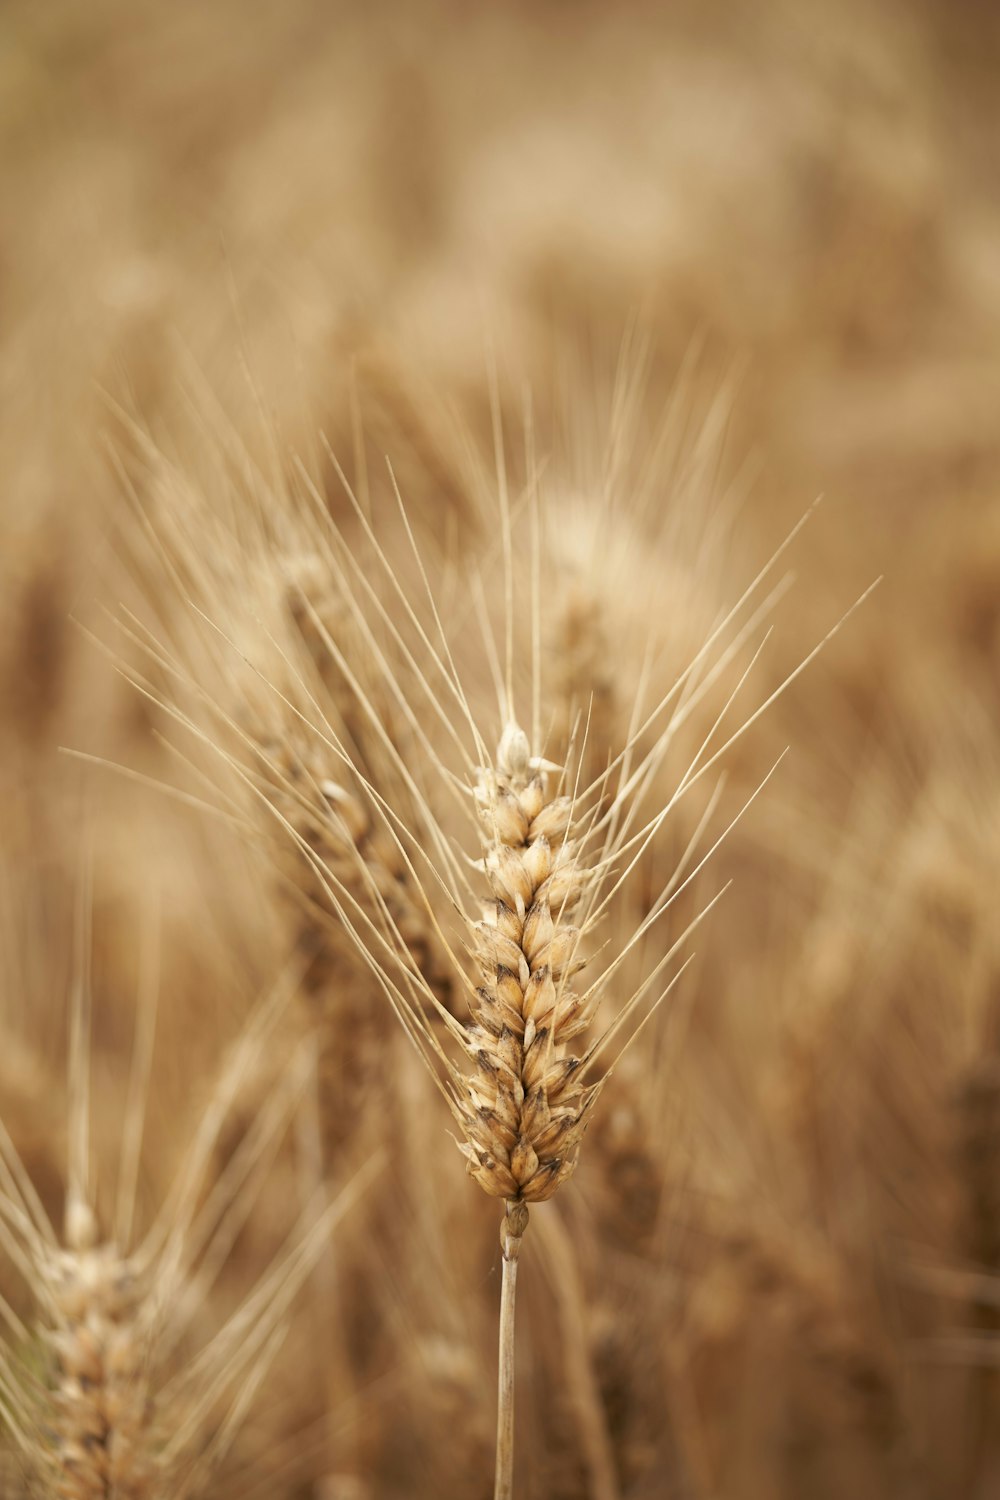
x=512 y=1227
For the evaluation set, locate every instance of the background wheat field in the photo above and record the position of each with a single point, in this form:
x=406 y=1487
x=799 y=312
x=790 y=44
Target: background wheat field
x=360 y=365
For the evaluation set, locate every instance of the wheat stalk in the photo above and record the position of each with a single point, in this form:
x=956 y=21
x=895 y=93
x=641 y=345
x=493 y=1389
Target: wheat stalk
x=524 y=1110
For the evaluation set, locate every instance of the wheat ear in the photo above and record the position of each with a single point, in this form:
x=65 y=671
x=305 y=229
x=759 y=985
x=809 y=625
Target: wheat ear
x=524 y=1109
x=111 y=1418
x=101 y=1409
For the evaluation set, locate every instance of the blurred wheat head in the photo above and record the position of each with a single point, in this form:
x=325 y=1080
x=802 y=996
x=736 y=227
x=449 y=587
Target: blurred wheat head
x=124 y=1369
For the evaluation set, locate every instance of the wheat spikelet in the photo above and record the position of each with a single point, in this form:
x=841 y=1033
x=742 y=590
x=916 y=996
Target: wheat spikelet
x=524 y=1111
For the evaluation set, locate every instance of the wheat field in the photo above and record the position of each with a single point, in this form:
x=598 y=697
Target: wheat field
x=500 y=751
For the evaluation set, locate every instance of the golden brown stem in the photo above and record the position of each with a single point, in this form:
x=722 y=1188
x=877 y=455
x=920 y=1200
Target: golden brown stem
x=512 y=1227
